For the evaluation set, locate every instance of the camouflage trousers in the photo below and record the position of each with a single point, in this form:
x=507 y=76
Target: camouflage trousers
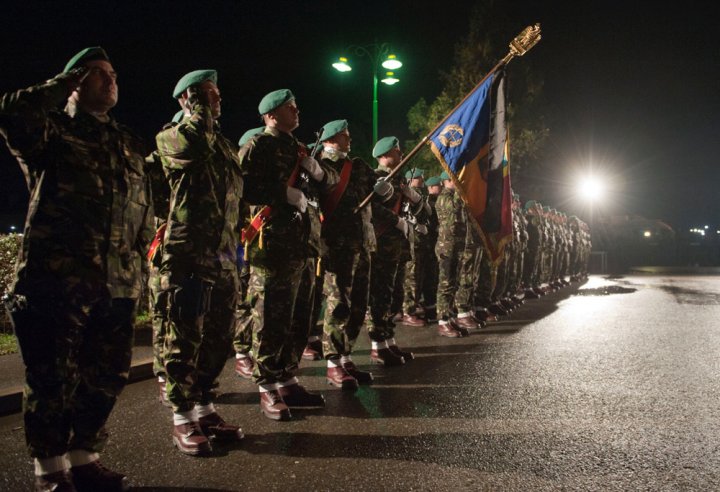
x=387 y=268
x=77 y=357
x=485 y=281
x=531 y=267
x=469 y=273
x=398 y=293
x=319 y=302
x=501 y=283
x=201 y=317
x=429 y=292
x=242 y=339
x=416 y=278
x=515 y=280
x=347 y=281
x=281 y=294
x=158 y=317
x=449 y=259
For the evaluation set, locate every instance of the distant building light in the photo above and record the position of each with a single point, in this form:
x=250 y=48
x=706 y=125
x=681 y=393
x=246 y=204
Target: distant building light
x=647 y=233
x=12 y=227
x=706 y=227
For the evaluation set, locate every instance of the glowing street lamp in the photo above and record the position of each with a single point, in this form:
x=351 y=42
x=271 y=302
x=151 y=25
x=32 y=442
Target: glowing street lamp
x=376 y=53
x=591 y=189
x=390 y=79
x=342 y=65
x=392 y=63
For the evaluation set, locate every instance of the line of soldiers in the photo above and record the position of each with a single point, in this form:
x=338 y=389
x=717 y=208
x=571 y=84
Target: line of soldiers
x=308 y=252
x=247 y=246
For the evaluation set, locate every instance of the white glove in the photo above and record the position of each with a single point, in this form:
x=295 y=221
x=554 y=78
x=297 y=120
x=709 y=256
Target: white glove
x=312 y=166
x=297 y=199
x=402 y=226
x=421 y=229
x=411 y=194
x=383 y=188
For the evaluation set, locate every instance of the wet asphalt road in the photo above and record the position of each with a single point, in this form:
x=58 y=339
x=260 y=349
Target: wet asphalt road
x=579 y=390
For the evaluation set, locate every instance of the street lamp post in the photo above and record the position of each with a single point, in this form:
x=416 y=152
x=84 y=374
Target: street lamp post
x=380 y=56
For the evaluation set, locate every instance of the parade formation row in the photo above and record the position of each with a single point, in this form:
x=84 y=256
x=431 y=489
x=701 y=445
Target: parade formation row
x=313 y=267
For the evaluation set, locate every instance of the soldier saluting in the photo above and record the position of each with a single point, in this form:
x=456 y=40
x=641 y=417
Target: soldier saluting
x=199 y=262
x=78 y=274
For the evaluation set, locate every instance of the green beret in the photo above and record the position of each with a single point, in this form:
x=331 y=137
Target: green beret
x=310 y=146
x=250 y=134
x=177 y=117
x=433 y=181
x=415 y=173
x=88 y=54
x=193 y=78
x=444 y=175
x=333 y=128
x=546 y=208
x=274 y=100
x=384 y=145
x=530 y=204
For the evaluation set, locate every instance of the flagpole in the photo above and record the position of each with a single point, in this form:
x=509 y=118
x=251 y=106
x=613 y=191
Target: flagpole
x=520 y=45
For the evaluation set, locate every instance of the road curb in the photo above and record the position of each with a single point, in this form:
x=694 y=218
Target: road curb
x=11 y=398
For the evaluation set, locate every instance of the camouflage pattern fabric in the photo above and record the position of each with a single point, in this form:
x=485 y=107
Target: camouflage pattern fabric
x=201 y=317
x=199 y=260
x=350 y=238
x=157 y=297
x=452 y=229
x=79 y=271
x=281 y=296
x=430 y=267
x=388 y=261
x=282 y=258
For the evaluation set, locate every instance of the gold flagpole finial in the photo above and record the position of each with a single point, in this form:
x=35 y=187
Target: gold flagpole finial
x=523 y=42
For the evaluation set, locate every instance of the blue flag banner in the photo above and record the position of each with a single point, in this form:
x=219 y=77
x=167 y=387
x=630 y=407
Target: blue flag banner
x=471 y=144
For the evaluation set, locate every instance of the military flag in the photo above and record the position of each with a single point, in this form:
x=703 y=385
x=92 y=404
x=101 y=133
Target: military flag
x=472 y=145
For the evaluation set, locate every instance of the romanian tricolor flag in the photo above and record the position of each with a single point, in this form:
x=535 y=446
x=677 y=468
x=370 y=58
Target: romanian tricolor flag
x=471 y=144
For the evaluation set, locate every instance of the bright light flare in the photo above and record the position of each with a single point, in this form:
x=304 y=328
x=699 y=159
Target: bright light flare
x=342 y=65
x=591 y=189
x=392 y=63
x=390 y=79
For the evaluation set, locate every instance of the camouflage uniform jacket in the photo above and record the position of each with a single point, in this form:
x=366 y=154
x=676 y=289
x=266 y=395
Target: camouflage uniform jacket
x=89 y=219
x=205 y=190
x=343 y=228
x=433 y=219
x=268 y=161
x=452 y=217
x=384 y=219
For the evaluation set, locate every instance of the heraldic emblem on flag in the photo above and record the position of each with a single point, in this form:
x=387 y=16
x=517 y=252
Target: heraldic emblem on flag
x=471 y=144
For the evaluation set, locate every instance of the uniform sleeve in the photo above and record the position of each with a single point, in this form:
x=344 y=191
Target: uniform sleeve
x=146 y=232
x=380 y=212
x=24 y=115
x=188 y=142
x=330 y=179
x=261 y=187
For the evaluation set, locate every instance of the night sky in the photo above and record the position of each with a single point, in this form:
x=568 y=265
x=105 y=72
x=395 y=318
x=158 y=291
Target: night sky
x=631 y=91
